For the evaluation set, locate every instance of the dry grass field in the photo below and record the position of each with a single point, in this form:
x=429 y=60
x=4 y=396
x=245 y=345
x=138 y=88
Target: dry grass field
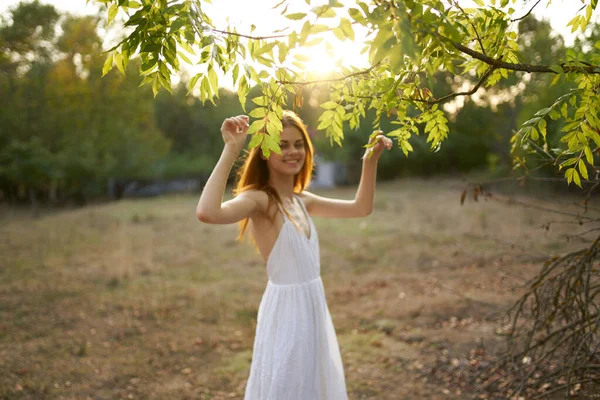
x=138 y=300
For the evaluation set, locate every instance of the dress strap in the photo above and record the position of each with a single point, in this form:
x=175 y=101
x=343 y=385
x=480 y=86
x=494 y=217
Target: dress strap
x=303 y=207
x=311 y=227
x=282 y=211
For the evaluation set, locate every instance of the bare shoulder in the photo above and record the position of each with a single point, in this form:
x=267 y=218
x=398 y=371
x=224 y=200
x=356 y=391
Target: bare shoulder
x=257 y=196
x=308 y=198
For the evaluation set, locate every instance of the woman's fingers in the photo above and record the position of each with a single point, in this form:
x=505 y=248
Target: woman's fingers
x=384 y=140
x=242 y=123
x=229 y=124
x=236 y=124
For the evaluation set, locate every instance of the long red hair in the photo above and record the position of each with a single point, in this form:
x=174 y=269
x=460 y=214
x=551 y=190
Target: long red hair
x=254 y=172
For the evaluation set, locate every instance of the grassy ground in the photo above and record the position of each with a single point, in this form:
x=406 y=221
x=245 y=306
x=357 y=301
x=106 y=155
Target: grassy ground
x=138 y=300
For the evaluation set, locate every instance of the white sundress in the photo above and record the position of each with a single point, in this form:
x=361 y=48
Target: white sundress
x=296 y=355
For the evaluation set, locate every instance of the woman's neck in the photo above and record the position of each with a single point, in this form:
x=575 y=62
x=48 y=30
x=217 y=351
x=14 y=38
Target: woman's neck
x=284 y=185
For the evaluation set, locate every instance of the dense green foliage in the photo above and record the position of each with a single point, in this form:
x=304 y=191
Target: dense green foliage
x=409 y=43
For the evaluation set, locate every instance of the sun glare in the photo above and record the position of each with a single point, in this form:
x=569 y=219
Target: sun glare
x=321 y=61
x=324 y=60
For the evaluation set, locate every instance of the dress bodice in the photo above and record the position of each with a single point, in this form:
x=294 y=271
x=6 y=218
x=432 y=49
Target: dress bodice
x=295 y=257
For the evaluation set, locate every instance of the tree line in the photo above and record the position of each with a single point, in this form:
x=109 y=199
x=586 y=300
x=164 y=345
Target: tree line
x=66 y=131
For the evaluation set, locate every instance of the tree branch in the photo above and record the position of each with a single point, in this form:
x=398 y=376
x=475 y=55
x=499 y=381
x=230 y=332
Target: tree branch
x=475 y=88
x=473 y=26
x=342 y=78
x=525 y=16
x=248 y=36
x=589 y=69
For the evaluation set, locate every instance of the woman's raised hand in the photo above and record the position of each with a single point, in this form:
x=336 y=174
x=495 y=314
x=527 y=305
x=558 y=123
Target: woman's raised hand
x=234 y=131
x=381 y=142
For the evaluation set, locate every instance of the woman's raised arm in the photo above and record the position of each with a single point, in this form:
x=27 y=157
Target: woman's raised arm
x=362 y=205
x=210 y=208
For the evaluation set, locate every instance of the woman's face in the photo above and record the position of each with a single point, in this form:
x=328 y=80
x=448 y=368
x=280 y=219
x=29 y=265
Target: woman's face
x=293 y=153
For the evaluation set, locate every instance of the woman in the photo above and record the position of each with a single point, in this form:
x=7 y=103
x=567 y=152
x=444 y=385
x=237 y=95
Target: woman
x=296 y=354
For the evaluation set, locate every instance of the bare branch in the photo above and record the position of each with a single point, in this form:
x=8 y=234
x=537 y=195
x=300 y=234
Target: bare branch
x=529 y=12
x=248 y=36
x=342 y=78
x=475 y=88
x=587 y=69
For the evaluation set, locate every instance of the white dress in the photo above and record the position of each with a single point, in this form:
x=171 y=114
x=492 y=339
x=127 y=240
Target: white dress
x=296 y=355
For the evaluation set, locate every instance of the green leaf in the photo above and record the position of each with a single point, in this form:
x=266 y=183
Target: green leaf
x=324 y=11
x=214 y=80
x=318 y=28
x=542 y=112
x=346 y=27
x=304 y=32
x=532 y=121
x=265 y=146
x=273 y=131
x=163 y=69
x=339 y=33
x=568 y=162
x=405 y=146
x=277 y=121
x=257 y=138
x=186 y=47
x=112 y=12
x=185 y=58
x=256 y=126
x=329 y=105
x=576 y=178
x=260 y=100
x=283 y=52
x=557 y=68
x=542 y=128
x=583 y=169
x=267 y=48
x=151 y=48
x=147 y=79
x=273 y=145
x=243 y=89
x=588 y=155
x=258 y=112
x=165 y=83
x=295 y=16
x=192 y=83
x=594 y=136
x=119 y=62
x=357 y=16
x=177 y=25
x=236 y=71
x=108 y=64
x=155 y=85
